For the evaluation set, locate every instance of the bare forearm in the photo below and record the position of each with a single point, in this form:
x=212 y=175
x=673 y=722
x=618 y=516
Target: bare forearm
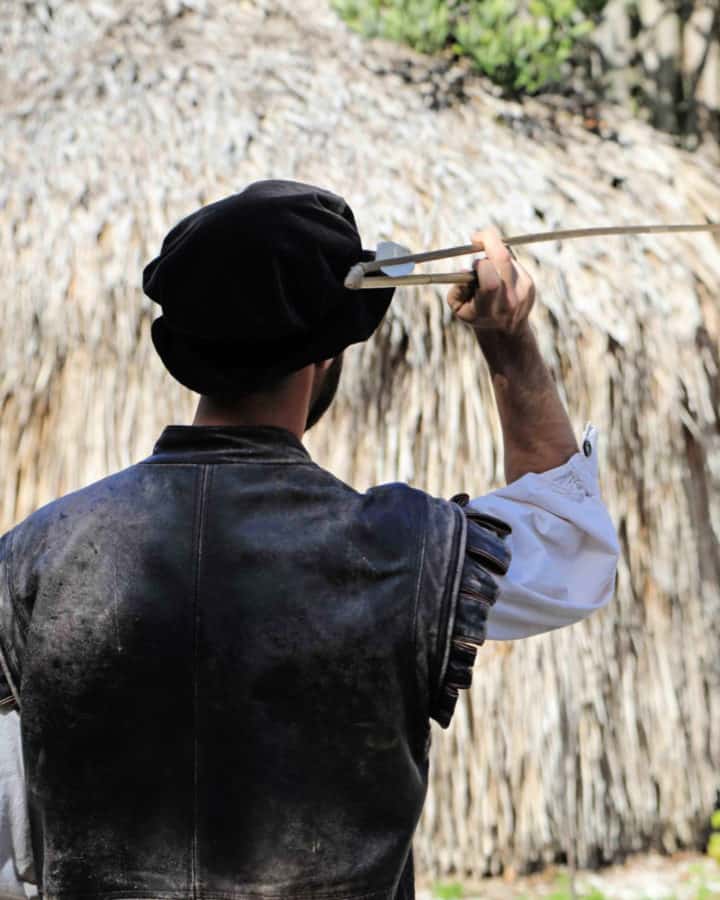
x=537 y=434
x=536 y=430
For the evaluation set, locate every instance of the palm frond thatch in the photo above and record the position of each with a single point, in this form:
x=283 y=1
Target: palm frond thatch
x=117 y=119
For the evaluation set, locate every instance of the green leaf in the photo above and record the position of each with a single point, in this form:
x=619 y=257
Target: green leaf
x=522 y=47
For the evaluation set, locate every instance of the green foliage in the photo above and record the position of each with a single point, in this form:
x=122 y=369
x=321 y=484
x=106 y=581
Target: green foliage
x=713 y=847
x=448 y=891
x=564 y=894
x=706 y=893
x=521 y=46
x=562 y=891
x=424 y=24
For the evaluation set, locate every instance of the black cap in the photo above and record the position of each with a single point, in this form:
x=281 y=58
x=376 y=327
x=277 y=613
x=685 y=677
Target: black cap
x=254 y=284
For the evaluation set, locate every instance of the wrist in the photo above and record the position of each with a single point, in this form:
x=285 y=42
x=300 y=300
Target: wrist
x=506 y=352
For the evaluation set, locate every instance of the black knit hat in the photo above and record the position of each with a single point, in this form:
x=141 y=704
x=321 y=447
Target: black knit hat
x=254 y=285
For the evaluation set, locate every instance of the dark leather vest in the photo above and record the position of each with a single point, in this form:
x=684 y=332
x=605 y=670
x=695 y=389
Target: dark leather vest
x=226 y=660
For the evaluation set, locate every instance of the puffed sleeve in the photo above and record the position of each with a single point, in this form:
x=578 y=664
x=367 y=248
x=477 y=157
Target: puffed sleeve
x=10 y=632
x=17 y=871
x=16 y=866
x=564 y=550
x=564 y=546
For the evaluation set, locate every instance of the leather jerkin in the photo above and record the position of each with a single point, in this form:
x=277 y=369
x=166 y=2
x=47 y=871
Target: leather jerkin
x=226 y=661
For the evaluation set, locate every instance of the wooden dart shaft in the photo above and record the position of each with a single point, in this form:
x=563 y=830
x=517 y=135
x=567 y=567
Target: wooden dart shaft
x=405 y=280
x=534 y=238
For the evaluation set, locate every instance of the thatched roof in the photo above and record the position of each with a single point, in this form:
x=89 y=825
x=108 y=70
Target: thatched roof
x=119 y=118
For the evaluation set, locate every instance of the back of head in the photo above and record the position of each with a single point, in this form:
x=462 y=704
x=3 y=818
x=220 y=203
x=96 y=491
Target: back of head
x=252 y=288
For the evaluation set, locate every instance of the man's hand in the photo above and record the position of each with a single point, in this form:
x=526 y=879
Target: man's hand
x=537 y=434
x=504 y=294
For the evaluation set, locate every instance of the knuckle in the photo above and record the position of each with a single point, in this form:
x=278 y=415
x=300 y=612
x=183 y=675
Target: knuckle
x=487 y=276
x=499 y=256
x=525 y=282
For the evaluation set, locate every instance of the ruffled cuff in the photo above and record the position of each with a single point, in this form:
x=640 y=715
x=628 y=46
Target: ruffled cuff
x=486 y=554
x=8 y=698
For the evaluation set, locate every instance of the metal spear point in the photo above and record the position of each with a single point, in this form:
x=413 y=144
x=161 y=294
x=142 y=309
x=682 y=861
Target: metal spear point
x=397 y=262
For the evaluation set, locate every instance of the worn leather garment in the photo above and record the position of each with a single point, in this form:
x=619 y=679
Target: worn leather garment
x=226 y=660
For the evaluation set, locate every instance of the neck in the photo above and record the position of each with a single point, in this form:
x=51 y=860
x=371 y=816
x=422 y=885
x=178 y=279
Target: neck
x=286 y=409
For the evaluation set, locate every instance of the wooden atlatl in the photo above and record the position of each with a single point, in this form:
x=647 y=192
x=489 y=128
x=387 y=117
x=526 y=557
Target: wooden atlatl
x=357 y=276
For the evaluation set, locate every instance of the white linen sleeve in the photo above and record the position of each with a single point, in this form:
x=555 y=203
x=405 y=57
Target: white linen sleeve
x=564 y=548
x=16 y=860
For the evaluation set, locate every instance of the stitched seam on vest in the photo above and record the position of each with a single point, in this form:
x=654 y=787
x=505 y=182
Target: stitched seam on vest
x=458 y=558
x=200 y=512
x=420 y=558
x=237 y=462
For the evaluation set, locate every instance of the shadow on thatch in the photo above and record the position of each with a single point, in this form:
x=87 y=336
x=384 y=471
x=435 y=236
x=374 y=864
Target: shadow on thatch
x=117 y=120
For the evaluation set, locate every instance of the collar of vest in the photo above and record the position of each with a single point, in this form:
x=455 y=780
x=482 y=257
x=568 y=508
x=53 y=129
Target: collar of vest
x=206 y=444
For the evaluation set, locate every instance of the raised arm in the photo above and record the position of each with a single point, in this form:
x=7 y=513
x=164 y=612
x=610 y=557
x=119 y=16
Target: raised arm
x=537 y=434
x=564 y=546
